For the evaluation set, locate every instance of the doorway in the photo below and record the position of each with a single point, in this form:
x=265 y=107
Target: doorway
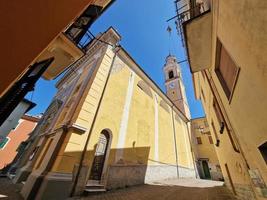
x=102 y=149
x=206 y=169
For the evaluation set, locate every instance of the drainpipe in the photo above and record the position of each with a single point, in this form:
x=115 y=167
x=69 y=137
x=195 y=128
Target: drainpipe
x=91 y=128
x=175 y=145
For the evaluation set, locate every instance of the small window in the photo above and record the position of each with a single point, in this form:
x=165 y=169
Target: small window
x=226 y=70
x=210 y=139
x=199 y=141
x=171 y=75
x=3 y=142
x=263 y=150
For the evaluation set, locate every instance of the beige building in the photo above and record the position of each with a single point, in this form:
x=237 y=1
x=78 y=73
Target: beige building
x=226 y=44
x=206 y=159
x=109 y=126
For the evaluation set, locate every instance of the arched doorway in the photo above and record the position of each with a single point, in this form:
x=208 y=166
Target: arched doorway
x=102 y=150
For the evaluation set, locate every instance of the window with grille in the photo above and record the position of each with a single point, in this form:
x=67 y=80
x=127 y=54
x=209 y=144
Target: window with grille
x=226 y=69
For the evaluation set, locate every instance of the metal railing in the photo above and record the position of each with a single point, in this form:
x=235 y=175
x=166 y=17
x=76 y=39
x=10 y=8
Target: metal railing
x=195 y=10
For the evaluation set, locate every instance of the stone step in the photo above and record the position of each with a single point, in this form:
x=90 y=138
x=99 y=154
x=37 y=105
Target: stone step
x=95 y=186
x=94 y=189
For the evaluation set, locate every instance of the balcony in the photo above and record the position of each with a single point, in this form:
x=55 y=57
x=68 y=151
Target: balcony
x=70 y=45
x=64 y=51
x=197 y=32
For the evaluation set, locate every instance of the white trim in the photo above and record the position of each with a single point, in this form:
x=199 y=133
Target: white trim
x=8 y=140
x=156 y=150
x=18 y=124
x=125 y=117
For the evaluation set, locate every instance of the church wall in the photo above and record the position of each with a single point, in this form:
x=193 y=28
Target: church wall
x=142 y=136
x=134 y=149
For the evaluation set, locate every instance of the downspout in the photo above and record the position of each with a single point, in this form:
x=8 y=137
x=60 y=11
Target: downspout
x=175 y=145
x=91 y=128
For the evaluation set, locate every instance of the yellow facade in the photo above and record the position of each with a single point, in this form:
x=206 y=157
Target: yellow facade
x=148 y=137
x=242 y=136
x=204 y=150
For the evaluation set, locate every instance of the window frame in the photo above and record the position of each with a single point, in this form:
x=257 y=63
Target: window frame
x=210 y=139
x=7 y=141
x=199 y=140
x=227 y=91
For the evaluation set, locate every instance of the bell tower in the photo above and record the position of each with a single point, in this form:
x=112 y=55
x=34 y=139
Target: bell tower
x=174 y=85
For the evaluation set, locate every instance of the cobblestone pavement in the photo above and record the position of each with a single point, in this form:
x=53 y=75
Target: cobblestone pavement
x=8 y=190
x=182 y=189
x=177 y=189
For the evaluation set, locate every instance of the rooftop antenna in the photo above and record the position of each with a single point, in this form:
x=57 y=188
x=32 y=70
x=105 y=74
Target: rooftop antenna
x=169 y=29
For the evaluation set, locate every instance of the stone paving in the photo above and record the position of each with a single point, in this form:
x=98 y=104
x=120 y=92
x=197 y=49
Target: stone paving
x=8 y=190
x=182 y=189
x=177 y=189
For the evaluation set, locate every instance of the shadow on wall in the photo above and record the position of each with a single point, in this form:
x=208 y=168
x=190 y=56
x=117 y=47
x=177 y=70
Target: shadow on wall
x=129 y=170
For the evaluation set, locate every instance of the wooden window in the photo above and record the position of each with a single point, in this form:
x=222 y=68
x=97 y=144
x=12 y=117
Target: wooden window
x=263 y=150
x=171 y=75
x=226 y=70
x=215 y=133
x=210 y=139
x=199 y=141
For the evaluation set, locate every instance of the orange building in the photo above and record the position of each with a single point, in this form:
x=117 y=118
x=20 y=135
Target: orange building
x=41 y=38
x=10 y=145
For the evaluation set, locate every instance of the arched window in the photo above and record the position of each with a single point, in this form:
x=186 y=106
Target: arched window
x=171 y=75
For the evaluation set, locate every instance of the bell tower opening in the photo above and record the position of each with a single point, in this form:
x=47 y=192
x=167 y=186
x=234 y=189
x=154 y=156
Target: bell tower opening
x=171 y=74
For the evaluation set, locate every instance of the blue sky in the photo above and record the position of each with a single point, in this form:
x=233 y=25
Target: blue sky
x=142 y=25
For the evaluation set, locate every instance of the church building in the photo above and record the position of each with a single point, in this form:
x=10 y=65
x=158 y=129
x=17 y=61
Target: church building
x=109 y=126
